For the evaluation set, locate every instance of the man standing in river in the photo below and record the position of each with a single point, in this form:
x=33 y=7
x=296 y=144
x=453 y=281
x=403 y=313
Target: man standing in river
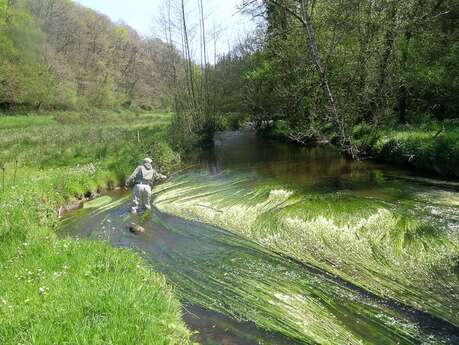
x=143 y=178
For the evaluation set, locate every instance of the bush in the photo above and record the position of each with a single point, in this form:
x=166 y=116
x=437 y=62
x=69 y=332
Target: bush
x=432 y=147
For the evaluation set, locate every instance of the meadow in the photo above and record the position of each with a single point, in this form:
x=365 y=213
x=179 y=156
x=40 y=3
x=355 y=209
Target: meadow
x=69 y=291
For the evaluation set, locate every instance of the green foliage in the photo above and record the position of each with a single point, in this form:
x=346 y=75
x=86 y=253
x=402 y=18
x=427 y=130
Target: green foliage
x=165 y=159
x=393 y=238
x=433 y=79
x=59 y=55
x=24 y=80
x=385 y=63
x=182 y=135
x=433 y=148
x=75 y=291
x=230 y=121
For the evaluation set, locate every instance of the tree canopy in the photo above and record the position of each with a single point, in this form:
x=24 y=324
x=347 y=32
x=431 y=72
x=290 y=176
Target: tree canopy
x=57 y=54
x=326 y=66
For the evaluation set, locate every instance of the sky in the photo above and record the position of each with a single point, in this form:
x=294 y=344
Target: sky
x=142 y=15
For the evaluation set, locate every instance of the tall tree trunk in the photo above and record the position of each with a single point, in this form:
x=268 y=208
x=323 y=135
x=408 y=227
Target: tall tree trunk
x=402 y=97
x=189 y=63
x=205 y=77
x=345 y=141
x=387 y=52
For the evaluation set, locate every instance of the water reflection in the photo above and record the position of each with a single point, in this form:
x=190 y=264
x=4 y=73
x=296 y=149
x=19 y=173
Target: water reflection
x=323 y=166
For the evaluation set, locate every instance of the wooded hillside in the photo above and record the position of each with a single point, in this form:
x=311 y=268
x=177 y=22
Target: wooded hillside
x=56 y=54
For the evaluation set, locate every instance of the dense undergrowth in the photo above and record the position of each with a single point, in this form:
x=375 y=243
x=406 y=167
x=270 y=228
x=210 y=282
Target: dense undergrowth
x=431 y=147
x=76 y=292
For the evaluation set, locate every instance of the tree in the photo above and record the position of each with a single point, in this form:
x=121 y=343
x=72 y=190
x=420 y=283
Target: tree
x=327 y=66
x=57 y=54
x=24 y=80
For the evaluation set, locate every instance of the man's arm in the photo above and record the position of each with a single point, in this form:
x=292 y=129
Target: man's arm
x=158 y=176
x=132 y=177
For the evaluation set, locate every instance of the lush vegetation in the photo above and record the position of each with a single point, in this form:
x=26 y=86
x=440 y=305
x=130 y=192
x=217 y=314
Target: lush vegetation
x=324 y=69
x=395 y=239
x=375 y=78
x=314 y=71
x=56 y=54
x=66 y=291
x=430 y=147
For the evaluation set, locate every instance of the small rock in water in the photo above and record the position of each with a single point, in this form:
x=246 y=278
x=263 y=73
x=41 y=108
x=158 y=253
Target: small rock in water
x=136 y=229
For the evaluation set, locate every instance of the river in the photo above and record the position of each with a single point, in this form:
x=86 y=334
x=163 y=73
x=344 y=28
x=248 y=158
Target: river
x=271 y=243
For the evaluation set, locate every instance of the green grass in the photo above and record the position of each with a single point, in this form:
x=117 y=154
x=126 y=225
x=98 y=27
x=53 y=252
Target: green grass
x=25 y=121
x=76 y=292
x=432 y=148
x=68 y=292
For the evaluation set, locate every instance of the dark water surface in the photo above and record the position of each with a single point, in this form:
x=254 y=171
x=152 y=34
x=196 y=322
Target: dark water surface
x=224 y=278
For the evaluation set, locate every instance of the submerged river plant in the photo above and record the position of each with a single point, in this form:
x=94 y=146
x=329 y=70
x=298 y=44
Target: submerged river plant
x=337 y=254
x=389 y=245
x=227 y=273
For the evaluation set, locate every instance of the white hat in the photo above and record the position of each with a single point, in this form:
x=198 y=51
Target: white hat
x=148 y=160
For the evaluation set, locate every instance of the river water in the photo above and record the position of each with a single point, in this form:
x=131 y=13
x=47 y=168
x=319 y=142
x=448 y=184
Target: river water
x=270 y=243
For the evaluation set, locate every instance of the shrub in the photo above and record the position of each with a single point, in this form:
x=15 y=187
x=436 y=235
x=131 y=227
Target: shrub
x=432 y=147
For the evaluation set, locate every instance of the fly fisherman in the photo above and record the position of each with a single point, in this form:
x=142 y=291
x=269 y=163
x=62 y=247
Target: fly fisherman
x=143 y=178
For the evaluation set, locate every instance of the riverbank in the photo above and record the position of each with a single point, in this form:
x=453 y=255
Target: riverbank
x=430 y=147
x=77 y=291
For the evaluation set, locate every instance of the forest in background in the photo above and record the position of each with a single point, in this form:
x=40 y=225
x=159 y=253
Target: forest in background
x=380 y=59
x=323 y=66
x=375 y=78
x=311 y=63
x=58 y=55
x=378 y=79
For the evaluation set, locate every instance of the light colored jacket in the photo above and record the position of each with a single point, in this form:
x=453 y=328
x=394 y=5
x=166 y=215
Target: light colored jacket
x=142 y=175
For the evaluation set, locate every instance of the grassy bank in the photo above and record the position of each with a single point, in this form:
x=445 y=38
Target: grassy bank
x=76 y=292
x=431 y=147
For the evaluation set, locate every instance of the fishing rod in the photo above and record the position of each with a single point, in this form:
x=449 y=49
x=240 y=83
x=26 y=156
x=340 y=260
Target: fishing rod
x=181 y=170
